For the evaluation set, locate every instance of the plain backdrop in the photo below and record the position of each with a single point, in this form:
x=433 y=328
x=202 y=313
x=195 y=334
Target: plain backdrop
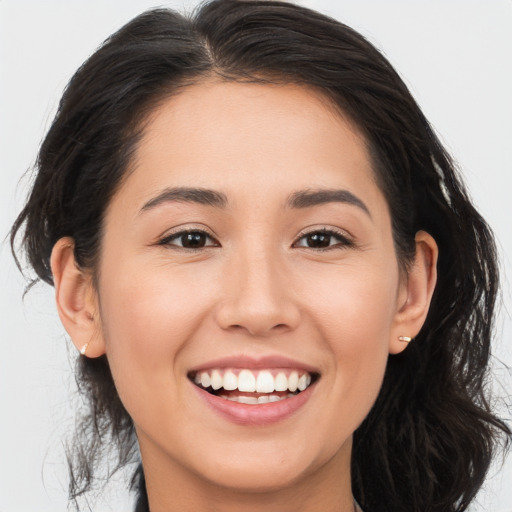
x=455 y=55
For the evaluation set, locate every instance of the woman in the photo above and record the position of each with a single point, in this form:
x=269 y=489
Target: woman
x=243 y=215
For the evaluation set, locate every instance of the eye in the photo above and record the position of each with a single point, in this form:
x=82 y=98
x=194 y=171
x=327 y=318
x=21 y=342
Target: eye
x=190 y=239
x=323 y=239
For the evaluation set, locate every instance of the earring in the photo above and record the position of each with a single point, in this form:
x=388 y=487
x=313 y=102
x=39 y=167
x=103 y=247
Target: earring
x=84 y=349
x=405 y=339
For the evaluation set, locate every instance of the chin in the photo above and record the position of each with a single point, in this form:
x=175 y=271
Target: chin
x=260 y=472
x=262 y=479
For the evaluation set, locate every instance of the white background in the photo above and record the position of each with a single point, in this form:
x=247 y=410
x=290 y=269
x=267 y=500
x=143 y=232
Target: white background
x=456 y=57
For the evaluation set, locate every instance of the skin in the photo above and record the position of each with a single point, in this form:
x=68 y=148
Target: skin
x=256 y=289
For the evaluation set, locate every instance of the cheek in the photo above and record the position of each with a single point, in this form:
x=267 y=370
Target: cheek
x=145 y=312
x=355 y=317
x=354 y=305
x=147 y=318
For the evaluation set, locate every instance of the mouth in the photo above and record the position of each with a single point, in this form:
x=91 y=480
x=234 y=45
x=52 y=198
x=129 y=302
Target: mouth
x=253 y=387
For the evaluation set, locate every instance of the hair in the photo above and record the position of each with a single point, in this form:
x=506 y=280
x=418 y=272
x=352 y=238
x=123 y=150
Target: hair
x=428 y=441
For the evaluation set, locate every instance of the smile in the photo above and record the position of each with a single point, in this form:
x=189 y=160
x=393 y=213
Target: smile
x=253 y=386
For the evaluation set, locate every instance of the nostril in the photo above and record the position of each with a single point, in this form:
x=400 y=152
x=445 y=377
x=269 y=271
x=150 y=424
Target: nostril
x=258 y=330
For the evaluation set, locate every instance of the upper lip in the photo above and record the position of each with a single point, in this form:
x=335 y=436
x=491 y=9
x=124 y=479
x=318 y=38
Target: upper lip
x=254 y=363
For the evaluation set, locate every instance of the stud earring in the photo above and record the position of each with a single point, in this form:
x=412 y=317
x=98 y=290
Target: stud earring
x=405 y=339
x=84 y=349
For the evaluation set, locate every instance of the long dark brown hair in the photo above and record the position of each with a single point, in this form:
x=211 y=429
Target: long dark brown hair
x=427 y=443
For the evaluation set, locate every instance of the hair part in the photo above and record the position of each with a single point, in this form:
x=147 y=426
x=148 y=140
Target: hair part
x=428 y=441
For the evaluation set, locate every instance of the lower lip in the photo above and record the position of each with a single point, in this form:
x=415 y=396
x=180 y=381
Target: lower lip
x=255 y=414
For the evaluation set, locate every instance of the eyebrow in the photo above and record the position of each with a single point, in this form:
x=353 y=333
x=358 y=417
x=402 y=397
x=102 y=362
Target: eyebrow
x=297 y=200
x=308 y=198
x=188 y=195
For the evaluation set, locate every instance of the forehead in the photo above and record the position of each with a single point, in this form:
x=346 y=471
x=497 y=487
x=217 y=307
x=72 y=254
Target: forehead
x=255 y=138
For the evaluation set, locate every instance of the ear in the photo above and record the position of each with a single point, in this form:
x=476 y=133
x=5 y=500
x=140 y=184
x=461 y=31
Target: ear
x=76 y=299
x=415 y=293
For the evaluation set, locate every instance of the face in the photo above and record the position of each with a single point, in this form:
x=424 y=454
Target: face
x=249 y=249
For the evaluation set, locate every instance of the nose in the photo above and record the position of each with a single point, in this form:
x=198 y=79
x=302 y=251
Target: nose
x=257 y=297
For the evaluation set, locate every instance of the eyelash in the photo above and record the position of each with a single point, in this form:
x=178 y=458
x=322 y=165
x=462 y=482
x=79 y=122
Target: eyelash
x=343 y=240
x=341 y=237
x=180 y=234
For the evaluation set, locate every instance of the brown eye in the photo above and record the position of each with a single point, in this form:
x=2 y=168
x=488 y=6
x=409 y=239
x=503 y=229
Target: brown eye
x=316 y=240
x=323 y=239
x=189 y=240
x=193 y=240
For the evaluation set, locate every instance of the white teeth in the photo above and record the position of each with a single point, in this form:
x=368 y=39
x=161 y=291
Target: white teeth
x=302 y=385
x=216 y=380
x=293 y=381
x=265 y=382
x=205 y=380
x=248 y=400
x=250 y=381
x=246 y=381
x=281 y=382
x=253 y=400
x=230 y=381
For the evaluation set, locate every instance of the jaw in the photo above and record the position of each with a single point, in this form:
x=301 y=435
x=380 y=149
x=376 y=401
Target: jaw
x=274 y=482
